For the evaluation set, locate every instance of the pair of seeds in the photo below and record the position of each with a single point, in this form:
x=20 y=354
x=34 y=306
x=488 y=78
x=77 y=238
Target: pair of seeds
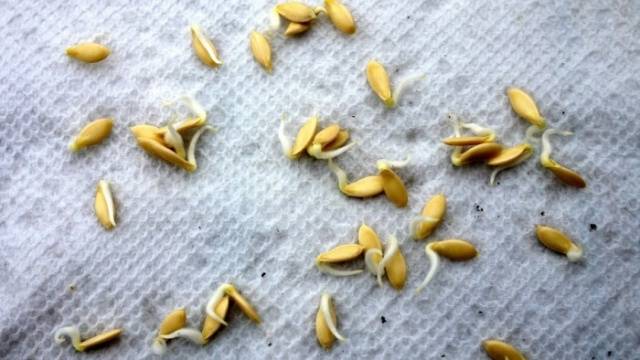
x=324 y=144
x=558 y=241
x=203 y=47
x=327 y=322
x=431 y=216
x=89 y=52
x=453 y=249
x=390 y=262
x=378 y=80
x=174 y=325
x=386 y=181
x=73 y=333
x=167 y=143
x=500 y=350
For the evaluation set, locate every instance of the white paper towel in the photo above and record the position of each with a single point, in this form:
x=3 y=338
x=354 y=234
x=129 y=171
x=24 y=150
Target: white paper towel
x=251 y=216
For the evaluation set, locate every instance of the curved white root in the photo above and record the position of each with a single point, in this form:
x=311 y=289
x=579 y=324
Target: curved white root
x=386 y=164
x=415 y=224
x=73 y=333
x=274 y=23
x=496 y=171
x=434 y=264
x=340 y=174
x=285 y=142
x=194 y=106
x=575 y=253
x=368 y=260
x=192 y=335
x=480 y=130
x=108 y=198
x=191 y=155
x=174 y=139
x=324 y=268
x=531 y=133
x=316 y=151
x=390 y=252
x=546 y=144
x=215 y=299
x=325 y=308
x=404 y=83
x=159 y=346
x=455 y=124
x=319 y=10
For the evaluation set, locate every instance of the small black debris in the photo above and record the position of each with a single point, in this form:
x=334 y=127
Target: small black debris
x=480 y=312
x=263 y=274
x=541 y=213
x=593 y=227
x=609 y=353
x=443 y=356
x=383 y=319
x=269 y=344
x=478 y=208
x=353 y=116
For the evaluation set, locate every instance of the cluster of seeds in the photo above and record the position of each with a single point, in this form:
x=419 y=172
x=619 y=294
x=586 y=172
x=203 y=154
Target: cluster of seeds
x=324 y=144
x=378 y=261
x=73 y=333
x=327 y=322
x=174 y=325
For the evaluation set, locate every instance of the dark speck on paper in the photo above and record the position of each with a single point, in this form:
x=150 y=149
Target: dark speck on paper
x=383 y=319
x=593 y=227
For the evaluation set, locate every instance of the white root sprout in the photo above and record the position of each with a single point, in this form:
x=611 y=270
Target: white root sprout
x=325 y=308
x=174 y=140
x=434 y=264
x=497 y=170
x=386 y=164
x=368 y=260
x=159 y=346
x=192 y=335
x=546 y=144
x=390 y=252
x=340 y=174
x=191 y=154
x=215 y=299
x=108 y=198
x=415 y=224
x=316 y=151
x=71 y=332
x=404 y=83
x=285 y=142
x=324 y=268
x=531 y=133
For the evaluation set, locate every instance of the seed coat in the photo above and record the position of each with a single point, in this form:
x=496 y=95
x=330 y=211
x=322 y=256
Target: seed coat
x=327 y=135
x=295 y=28
x=159 y=150
x=379 y=82
x=210 y=326
x=510 y=155
x=304 y=137
x=524 y=105
x=396 y=270
x=341 y=139
x=88 y=52
x=93 y=133
x=394 y=187
x=177 y=319
x=341 y=253
x=261 y=50
x=455 y=249
x=500 y=350
x=296 y=12
x=476 y=153
x=435 y=209
x=204 y=48
x=104 y=207
x=340 y=16
x=558 y=241
x=100 y=339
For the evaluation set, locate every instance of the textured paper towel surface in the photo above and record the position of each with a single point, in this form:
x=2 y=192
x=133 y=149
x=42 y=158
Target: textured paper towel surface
x=250 y=216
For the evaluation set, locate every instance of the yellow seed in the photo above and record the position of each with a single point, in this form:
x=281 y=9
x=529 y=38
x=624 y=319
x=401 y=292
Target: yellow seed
x=296 y=12
x=340 y=16
x=211 y=326
x=327 y=134
x=480 y=152
x=557 y=241
x=176 y=320
x=185 y=126
x=456 y=250
x=396 y=270
x=394 y=187
x=244 y=305
x=88 y=52
x=368 y=238
x=104 y=206
x=295 y=28
x=93 y=133
x=500 y=350
x=379 y=82
x=159 y=150
x=304 y=137
x=203 y=47
x=511 y=155
x=148 y=131
x=341 y=253
x=465 y=140
x=341 y=139
x=366 y=187
x=261 y=50
x=566 y=175
x=434 y=208
x=101 y=339
x=323 y=334
x=525 y=106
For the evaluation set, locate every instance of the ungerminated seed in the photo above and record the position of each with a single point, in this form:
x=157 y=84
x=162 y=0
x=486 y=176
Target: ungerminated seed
x=204 y=48
x=500 y=350
x=88 y=52
x=379 y=81
x=296 y=12
x=340 y=16
x=261 y=50
x=104 y=205
x=525 y=106
x=93 y=133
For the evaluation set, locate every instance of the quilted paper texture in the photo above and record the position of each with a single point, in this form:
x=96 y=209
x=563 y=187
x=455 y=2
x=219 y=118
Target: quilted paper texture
x=251 y=216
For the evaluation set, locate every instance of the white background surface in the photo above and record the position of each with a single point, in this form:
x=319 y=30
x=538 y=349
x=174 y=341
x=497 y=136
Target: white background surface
x=248 y=210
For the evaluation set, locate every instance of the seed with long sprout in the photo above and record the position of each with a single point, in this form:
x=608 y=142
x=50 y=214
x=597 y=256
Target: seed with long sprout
x=295 y=28
x=203 y=47
x=176 y=320
x=508 y=158
x=430 y=217
x=390 y=252
x=93 y=133
x=232 y=292
x=454 y=249
x=340 y=16
x=558 y=241
x=565 y=174
x=88 y=52
x=210 y=326
x=500 y=350
x=326 y=322
x=73 y=333
x=104 y=205
x=339 y=254
x=396 y=267
x=476 y=153
x=523 y=105
x=362 y=188
x=393 y=186
x=305 y=135
x=261 y=50
x=379 y=81
x=296 y=12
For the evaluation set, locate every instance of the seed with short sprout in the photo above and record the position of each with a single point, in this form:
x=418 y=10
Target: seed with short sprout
x=565 y=174
x=305 y=135
x=339 y=254
x=340 y=16
x=327 y=135
x=431 y=216
x=88 y=52
x=232 y=292
x=500 y=350
x=394 y=187
x=203 y=47
x=455 y=250
x=326 y=322
x=93 y=133
x=476 y=153
x=396 y=268
x=210 y=326
x=525 y=106
x=295 y=28
x=324 y=137
x=558 y=241
x=509 y=158
x=372 y=246
x=296 y=12
x=176 y=320
x=261 y=50
x=73 y=333
x=104 y=206
x=341 y=139
x=379 y=81
x=161 y=151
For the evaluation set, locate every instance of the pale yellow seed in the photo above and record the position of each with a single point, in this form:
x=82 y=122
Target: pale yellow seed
x=394 y=188
x=465 y=140
x=244 y=305
x=511 y=155
x=323 y=334
x=176 y=320
x=327 y=134
x=454 y=249
x=104 y=206
x=341 y=139
x=341 y=253
x=566 y=175
x=368 y=238
x=296 y=12
x=500 y=350
x=525 y=106
x=305 y=136
x=204 y=48
x=101 y=339
x=396 y=270
x=211 y=326
x=93 y=133
x=366 y=187
x=295 y=28
x=148 y=131
x=159 y=150
x=435 y=208
x=480 y=152
x=379 y=81
x=340 y=16
x=261 y=50
x=558 y=241
x=88 y=52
